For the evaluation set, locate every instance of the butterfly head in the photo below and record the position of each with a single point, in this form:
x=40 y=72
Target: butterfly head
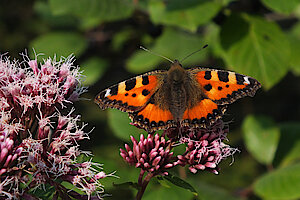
x=176 y=72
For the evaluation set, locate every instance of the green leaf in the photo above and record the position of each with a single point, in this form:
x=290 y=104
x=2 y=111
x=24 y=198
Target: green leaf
x=93 y=11
x=180 y=183
x=109 y=155
x=188 y=14
x=293 y=155
x=284 y=7
x=289 y=145
x=294 y=38
x=59 y=44
x=121 y=37
x=163 y=182
x=211 y=192
x=46 y=192
x=295 y=58
x=119 y=123
x=280 y=184
x=163 y=193
x=93 y=69
x=127 y=184
x=257 y=48
x=68 y=186
x=42 y=9
x=261 y=137
x=185 y=43
x=211 y=36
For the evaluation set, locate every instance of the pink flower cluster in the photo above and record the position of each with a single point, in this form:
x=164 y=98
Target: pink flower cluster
x=151 y=154
x=39 y=132
x=204 y=149
x=8 y=154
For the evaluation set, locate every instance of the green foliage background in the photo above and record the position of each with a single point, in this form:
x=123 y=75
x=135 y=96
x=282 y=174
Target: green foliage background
x=257 y=38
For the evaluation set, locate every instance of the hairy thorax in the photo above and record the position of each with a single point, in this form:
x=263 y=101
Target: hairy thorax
x=178 y=92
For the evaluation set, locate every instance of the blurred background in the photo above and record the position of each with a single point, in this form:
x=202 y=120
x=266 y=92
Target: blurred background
x=259 y=38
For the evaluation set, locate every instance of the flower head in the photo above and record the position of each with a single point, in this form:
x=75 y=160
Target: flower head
x=152 y=154
x=8 y=153
x=38 y=139
x=204 y=147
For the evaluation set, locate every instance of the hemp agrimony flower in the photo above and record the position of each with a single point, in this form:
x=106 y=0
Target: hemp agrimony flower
x=39 y=132
x=154 y=155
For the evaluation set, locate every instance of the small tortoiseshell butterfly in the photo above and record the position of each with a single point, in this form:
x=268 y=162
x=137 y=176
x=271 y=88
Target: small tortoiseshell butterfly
x=177 y=97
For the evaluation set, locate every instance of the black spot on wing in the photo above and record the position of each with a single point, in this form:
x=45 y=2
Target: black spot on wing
x=207 y=75
x=145 y=92
x=145 y=80
x=161 y=123
x=223 y=76
x=208 y=87
x=153 y=124
x=130 y=84
x=239 y=79
x=114 y=90
x=253 y=81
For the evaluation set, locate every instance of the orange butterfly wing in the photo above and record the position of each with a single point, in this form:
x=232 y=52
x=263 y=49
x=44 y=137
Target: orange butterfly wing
x=219 y=88
x=153 y=118
x=130 y=95
x=134 y=96
x=205 y=113
x=224 y=87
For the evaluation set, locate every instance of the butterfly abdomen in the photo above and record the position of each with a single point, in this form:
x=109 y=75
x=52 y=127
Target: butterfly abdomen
x=177 y=100
x=177 y=95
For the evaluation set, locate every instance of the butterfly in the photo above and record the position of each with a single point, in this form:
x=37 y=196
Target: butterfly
x=162 y=99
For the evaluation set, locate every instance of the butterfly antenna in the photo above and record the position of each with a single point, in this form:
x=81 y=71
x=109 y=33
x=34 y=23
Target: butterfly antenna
x=153 y=53
x=194 y=53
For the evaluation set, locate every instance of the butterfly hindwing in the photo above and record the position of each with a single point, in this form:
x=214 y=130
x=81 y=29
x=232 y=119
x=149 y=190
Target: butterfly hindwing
x=130 y=95
x=203 y=114
x=153 y=118
x=224 y=87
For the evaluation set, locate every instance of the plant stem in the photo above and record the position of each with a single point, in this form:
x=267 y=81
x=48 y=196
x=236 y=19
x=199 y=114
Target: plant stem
x=143 y=186
x=141 y=177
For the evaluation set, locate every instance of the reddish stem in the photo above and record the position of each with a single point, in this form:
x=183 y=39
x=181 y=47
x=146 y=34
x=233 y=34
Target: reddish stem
x=141 y=177
x=143 y=186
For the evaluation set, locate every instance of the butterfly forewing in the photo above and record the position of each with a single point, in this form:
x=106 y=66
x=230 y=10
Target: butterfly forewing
x=224 y=87
x=130 y=95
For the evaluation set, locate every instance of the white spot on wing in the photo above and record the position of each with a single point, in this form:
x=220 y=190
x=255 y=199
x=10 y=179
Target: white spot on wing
x=107 y=92
x=246 y=80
